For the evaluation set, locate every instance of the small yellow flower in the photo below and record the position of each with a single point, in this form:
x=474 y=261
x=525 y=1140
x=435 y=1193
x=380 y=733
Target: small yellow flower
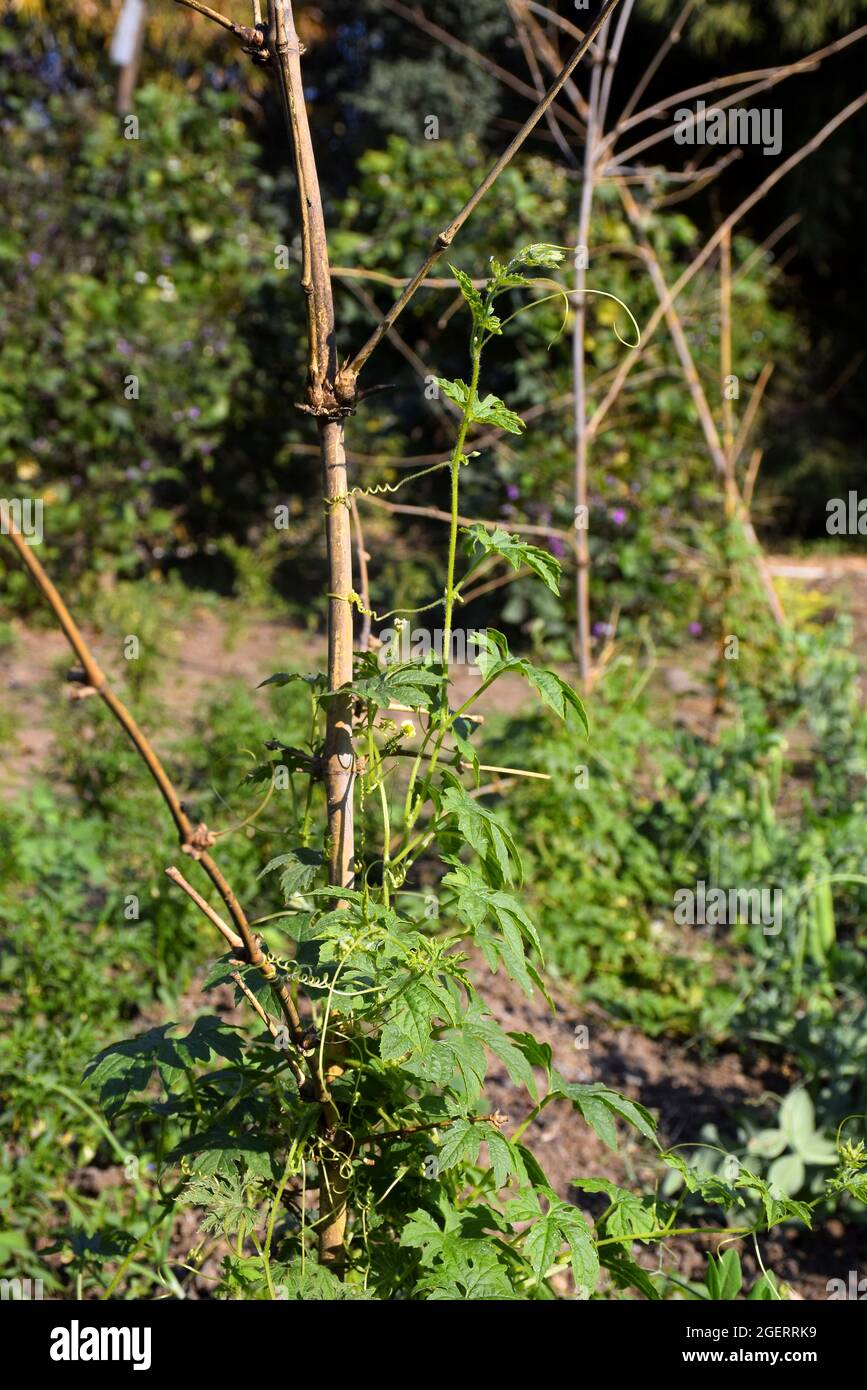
x=407 y=728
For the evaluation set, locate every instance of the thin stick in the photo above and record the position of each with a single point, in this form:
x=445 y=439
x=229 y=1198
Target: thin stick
x=581 y=443
x=254 y=1004
x=435 y=514
x=656 y=62
x=195 y=841
x=751 y=411
x=611 y=60
x=768 y=244
x=448 y=234
x=225 y=931
x=725 y=334
x=363 y=578
x=751 y=476
x=346 y=272
x=329 y=397
x=551 y=57
x=769 y=78
x=254 y=37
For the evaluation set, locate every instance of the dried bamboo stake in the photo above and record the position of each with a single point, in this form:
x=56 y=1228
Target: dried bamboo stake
x=195 y=840
x=696 y=390
x=725 y=310
x=725 y=341
x=329 y=399
x=579 y=385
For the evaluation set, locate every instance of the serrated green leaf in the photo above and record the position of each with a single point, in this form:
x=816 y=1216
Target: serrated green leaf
x=489 y=411
x=461 y=1145
x=483 y=830
x=299 y=868
x=408 y=684
x=483 y=318
x=519 y=553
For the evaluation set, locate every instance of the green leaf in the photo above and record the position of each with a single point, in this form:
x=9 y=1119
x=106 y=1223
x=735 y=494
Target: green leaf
x=128 y=1066
x=461 y=1145
x=519 y=553
x=724 y=1276
x=458 y=1059
x=500 y=1156
x=476 y=901
x=538 y=254
x=483 y=318
x=556 y=693
x=770 y=1143
x=415 y=1002
x=413 y=685
x=318 y=681
x=483 y=830
x=561 y=1224
x=542 y=1244
x=538 y=1054
x=626 y=1273
x=480 y=1025
x=299 y=866
x=490 y=411
x=797 y=1116
x=629 y=1216
x=227 y=1204
x=470 y=1269
x=494 y=659
x=308 y=1282
x=597 y=1103
x=215 y=1151
x=765 y=1290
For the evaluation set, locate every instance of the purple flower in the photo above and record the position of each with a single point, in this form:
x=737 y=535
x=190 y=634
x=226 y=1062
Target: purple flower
x=187 y=345
x=205 y=447
x=512 y=492
x=123 y=347
x=556 y=547
x=194 y=412
x=618 y=516
x=507 y=509
x=695 y=629
x=603 y=630
x=145 y=465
